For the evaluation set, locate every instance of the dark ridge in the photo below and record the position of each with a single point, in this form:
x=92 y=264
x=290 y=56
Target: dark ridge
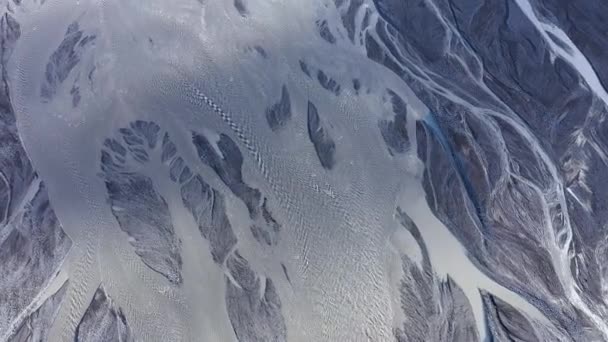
x=75 y=92
x=304 y=68
x=253 y=318
x=39 y=322
x=10 y=31
x=144 y=216
x=325 y=32
x=285 y=272
x=456 y=162
x=261 y=51
x=267 y=232
x=176 y=168
x=148 y=130
x=228 y=168
x=378 y=55
x=279 y=113
x=208 y=208
x=349 y=16
x=168 y=149
x=267 y=215
x=394 y=132
x=506 y=322
x=261 y=235
x=103 y=321
x=241 y=7
x=32 y=249
x=115 y=146
x=139 y=154
x=324 y=145
x=356 y=85
x=64 y=59
x=185 y=175
x=107 y=162
x=328 y=83
x=129 y=137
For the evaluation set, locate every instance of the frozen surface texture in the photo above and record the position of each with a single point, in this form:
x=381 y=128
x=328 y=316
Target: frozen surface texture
x=346 y=170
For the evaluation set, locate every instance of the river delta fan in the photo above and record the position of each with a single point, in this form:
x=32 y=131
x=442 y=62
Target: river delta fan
x=347 y=170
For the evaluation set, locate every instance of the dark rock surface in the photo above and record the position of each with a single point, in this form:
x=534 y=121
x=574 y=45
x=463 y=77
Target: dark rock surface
x=585 y=23
x=253 y=304
x=506 y=323
x=325 y=32
x=148 y=130
x=228 y=167
x=260 y=50
x=285 y=272
x=510 y=109
x=328 y=83
x=185 y=175
x=31 y=251
x=305 y=69
x=33 y=245
x=394 y=132
x=103 y=321
x=168 y=149
x=208 y=207
x=268 y=218
x=348 y=11
x=75 y=92
x=356 y=85
x=279 y=114
x=261 y=235
x=435 y=309
x=319 y=135
x=241 y=7
x=64 y=59
x=510 y=167
x=16 y=172
x=177 y=167
x=37 y=325
x=141 y=212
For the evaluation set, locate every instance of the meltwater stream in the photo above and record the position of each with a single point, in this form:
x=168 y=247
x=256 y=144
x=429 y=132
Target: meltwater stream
x=175 y=98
